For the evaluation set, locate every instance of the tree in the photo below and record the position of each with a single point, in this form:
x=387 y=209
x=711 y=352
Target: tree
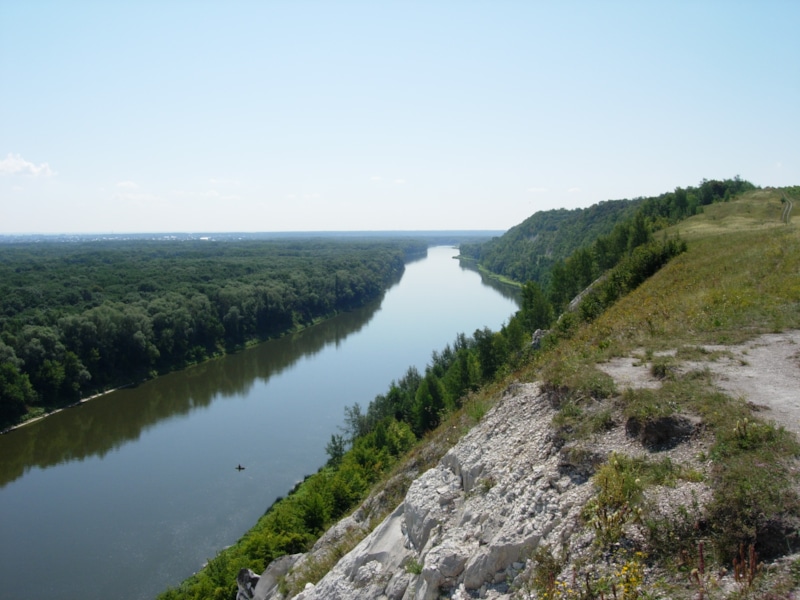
x=560 y=287
x=491 y=349
x=335 y=450
x=355 y=422
x=639 y=232
x=428 y=404
x=536 y=311
x=16 y=392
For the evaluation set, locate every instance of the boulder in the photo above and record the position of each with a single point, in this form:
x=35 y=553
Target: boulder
x=246 y=583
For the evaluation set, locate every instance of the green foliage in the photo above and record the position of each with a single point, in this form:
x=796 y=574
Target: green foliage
x=622 y=579
x=755 y=501
x=429 y=402
x=536 y=312
x=529 y=250
x=647 y=405
x=414 y=567
x=16 y=392
x=620 y=484
x=545 y=571
x=335 y=450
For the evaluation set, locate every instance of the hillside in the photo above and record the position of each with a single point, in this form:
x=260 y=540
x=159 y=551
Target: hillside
x=529 y=250
x=538 y=248
x=636 y=456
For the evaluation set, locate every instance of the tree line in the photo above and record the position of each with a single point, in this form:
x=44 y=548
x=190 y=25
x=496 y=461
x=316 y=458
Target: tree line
x=84 y=317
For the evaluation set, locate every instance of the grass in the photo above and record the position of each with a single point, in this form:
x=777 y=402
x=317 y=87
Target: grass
x=733 y=284
x=738 y=279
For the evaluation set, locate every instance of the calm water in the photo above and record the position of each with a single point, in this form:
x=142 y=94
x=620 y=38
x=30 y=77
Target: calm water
x=128 y=494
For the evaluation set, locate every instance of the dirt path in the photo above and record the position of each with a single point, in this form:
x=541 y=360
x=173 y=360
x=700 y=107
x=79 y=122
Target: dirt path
x=764 y=371
x=787 y=210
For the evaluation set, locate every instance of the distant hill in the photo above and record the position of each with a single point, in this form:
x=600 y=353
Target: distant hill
x=530 y=251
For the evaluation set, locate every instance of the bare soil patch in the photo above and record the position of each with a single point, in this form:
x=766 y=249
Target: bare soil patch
x=764 y=371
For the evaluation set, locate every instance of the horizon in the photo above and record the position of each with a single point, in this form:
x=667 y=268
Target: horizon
x=332 y=232
x=353 y=116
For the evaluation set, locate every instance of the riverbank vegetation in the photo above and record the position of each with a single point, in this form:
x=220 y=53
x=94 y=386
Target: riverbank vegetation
x=79 y=318
x=418 y=402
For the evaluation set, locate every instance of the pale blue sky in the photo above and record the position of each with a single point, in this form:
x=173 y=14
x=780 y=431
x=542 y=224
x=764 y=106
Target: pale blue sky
x=147 y=116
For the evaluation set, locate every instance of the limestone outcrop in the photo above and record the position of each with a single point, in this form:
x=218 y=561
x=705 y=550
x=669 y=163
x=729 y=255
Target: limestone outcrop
x=469 y=525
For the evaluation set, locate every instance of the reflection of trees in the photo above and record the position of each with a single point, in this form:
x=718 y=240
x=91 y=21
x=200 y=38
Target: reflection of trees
x=99 y=426
x=511 y=292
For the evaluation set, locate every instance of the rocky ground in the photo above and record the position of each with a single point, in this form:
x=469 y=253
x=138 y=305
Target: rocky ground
x=469 y=527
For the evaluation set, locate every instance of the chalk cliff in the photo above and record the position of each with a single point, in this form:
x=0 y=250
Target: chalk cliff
x=470 y=525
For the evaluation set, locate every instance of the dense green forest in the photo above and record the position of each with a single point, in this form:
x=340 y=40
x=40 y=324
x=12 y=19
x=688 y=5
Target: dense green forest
x=538 y=249
x=375 y=437
x=77 y=318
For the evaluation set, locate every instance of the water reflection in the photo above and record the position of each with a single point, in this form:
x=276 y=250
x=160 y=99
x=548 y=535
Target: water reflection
x=105 y=424
x=507 y=290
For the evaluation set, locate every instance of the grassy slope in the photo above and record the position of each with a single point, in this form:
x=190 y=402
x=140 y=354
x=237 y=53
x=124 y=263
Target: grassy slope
x=739 y=278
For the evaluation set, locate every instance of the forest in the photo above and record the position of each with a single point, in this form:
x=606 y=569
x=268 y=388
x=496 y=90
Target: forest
x=82 y=317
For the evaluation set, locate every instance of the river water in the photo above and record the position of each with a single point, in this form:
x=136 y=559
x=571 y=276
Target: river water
x=126 y=495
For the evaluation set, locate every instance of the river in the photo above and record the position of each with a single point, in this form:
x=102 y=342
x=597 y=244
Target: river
x=130 y=493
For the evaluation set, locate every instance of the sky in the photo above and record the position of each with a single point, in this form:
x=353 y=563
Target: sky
x=198 y=116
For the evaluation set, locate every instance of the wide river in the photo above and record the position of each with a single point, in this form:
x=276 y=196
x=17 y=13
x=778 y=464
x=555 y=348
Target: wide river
x=128 y=494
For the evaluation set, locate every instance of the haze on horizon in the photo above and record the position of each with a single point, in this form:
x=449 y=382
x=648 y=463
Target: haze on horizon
x=343 y=116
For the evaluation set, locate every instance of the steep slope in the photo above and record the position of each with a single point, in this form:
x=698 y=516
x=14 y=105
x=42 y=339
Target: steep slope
x=529 y=250
x=624 y=462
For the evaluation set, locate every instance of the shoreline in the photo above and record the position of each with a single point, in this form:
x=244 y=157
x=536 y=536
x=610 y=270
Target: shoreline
x=248 y=344
x=58 y=410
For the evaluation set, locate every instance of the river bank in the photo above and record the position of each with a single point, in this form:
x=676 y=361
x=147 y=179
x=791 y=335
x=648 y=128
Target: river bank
x=38 y=418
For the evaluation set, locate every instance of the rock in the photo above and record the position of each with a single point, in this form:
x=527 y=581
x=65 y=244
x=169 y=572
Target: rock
x=397 y=586
x=246 y=582
x=267 y=586
x=423 y=509
x=538 y=336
